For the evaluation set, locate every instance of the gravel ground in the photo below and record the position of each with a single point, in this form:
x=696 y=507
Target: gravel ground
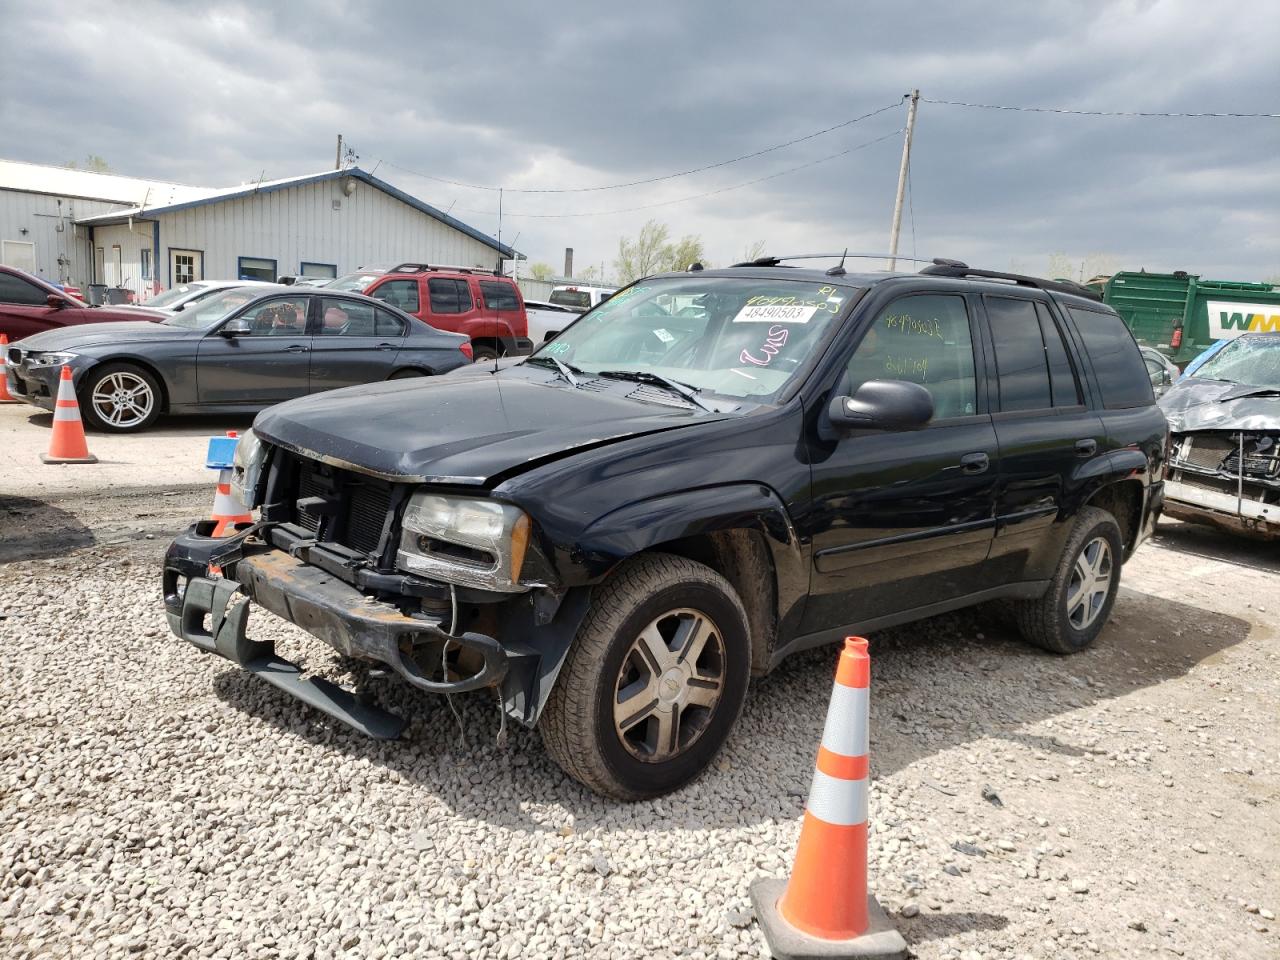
x=156 y=802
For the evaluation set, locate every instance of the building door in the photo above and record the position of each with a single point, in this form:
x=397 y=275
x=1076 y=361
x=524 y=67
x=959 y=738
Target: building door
x=185 y=266
x=99 y=265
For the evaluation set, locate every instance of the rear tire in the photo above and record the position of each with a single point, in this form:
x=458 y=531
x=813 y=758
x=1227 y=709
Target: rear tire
x=119 y=398
x=1076 y=606
x=483 y=351
x=654 y=681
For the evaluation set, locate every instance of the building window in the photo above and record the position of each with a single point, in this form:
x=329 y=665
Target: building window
x=329 y=270
x=117 y=258
x=20 y=254
x=185 y=265
x=256 y=268
x=144 y=258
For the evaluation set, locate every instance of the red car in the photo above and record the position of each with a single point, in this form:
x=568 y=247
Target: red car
x=29 y=305
x=485 y=306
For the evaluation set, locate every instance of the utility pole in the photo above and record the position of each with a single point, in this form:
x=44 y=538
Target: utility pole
x=902 y=180
x=337 y=160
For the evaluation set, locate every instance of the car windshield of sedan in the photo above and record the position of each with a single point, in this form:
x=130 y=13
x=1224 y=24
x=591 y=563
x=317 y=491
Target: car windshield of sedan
x=210 y=311
x=1254 y=361
x=733 y=336
x=182 y=291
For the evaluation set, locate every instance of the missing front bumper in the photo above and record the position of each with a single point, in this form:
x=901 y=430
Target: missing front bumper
x=1185 y=501
x=212 y=614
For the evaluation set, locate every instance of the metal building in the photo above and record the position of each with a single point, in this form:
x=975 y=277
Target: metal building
x=81 y=228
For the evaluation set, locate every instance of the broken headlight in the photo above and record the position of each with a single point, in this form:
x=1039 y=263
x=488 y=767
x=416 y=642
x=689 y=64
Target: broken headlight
x=251 y=454
x=464 y=540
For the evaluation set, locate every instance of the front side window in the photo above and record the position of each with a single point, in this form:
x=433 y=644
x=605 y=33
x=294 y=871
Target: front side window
x=733 y=336
x=18 y=291
x=346 y=318
x=285 y=317
x=449 y=296
x=923 y=339
x=399 y=293
x=499 y=296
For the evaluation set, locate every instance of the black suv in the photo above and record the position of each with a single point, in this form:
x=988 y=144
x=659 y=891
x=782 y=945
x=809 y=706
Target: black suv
x=709 y=471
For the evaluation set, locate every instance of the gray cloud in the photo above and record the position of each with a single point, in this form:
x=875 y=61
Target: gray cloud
x=575 y=95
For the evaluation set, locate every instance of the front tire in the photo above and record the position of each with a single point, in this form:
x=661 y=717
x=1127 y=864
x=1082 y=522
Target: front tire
x=654 y=680
x=1076 y=606
x=119 y=398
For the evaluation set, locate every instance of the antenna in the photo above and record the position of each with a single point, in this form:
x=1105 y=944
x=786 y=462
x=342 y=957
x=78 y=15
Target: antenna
x=495 y=352
x=838 y=269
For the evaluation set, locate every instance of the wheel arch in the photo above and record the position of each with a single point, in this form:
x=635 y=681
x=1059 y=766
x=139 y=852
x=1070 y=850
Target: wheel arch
x=411 y=368
x=1123 y=499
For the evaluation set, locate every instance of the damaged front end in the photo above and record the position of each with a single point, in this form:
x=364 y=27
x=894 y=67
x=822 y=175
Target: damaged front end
x=323 y=557
x=1230 y=479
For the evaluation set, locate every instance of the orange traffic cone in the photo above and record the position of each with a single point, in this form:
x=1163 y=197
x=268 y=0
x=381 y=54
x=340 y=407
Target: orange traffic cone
x=67 y=443
x=825 y=909
x=5 y=395
x=227 y=508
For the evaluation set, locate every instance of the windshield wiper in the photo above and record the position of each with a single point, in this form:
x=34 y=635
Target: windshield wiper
x=685 y=390
x=566 y=370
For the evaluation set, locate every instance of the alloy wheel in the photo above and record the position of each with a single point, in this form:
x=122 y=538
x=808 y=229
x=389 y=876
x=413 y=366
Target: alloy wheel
x=123 y=400
x=669 y=685
x=1090 y=583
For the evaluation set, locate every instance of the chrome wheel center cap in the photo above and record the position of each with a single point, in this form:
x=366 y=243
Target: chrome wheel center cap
x=671 y=685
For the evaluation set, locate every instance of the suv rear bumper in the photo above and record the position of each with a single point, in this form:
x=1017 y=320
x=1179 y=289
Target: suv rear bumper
x=211 y=612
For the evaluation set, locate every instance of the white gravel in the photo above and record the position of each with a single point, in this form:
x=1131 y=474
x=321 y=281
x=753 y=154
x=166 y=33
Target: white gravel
x=156 y=802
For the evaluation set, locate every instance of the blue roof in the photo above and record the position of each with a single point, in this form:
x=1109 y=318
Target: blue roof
x=355 y=173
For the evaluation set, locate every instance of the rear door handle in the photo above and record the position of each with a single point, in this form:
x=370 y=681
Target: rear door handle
x=1086 y=448
x=386 y=346
x=296 y=348
x=975 y=463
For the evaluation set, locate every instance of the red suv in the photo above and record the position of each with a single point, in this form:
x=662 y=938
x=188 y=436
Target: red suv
x=29 y=305
x=481 y=304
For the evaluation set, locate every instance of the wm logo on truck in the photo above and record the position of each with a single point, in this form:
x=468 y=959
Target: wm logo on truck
x=1230 y=320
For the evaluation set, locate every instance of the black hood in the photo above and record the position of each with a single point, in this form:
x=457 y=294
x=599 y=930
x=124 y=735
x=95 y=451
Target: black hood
x=84 y=335
x=465 y=429
x=1194 y=404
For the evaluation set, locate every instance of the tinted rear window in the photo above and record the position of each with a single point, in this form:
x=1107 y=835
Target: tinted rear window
x=571 y=298
x=498 y=295
x=1117 y=362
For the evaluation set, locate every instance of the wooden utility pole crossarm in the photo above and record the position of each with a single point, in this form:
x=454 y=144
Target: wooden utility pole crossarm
x=902 y=180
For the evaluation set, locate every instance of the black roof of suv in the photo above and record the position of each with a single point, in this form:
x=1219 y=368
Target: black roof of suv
x=705 y=473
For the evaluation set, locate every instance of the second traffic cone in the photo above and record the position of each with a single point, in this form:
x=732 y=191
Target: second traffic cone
x=67 y=443
x=227 y=508
x=825 y=909
x=5 y=395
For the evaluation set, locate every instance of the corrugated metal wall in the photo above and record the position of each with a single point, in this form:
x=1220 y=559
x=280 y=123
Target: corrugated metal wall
x=303 y=223
x=131 y=242
x=40 y=215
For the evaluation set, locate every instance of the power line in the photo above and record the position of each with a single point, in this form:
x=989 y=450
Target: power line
x=1099 y=113
x=649 y=180
x=696 y=196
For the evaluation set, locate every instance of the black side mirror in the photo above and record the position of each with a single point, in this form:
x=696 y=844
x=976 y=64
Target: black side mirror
x=55 y=301
x=239 y=327
x=551 y=335
x=882 y=405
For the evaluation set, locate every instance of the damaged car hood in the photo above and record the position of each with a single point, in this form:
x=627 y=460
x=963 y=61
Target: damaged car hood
x=459 y=429
x=1196 y=404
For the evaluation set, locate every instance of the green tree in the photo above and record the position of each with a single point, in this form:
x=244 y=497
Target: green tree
x=652 y=251
x=92 y=163
x=541 y=271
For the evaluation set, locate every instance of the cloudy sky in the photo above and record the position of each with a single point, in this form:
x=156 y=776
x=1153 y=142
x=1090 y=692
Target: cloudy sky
x=564 y=95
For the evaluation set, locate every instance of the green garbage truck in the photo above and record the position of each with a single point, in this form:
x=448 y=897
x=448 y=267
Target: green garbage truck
x=1180 y=315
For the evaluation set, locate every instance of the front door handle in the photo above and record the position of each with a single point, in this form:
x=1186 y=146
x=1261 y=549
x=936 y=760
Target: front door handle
x=975 y=463
x=1087 y=447
x=296 y=348
x=386 y=346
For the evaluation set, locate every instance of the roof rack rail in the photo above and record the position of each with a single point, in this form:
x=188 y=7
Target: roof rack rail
x=429 y=267
x=952 y=268
x=777 y=261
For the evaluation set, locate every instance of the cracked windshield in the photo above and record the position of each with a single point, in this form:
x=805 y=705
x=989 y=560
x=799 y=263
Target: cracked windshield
x=731 y=336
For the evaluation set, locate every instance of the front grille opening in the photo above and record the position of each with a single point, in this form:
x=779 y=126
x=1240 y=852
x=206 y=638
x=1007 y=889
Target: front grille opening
x=354 y=508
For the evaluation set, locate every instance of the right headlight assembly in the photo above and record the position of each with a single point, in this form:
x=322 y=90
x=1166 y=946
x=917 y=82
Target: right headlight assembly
x=251 y=454
x=466 y=541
